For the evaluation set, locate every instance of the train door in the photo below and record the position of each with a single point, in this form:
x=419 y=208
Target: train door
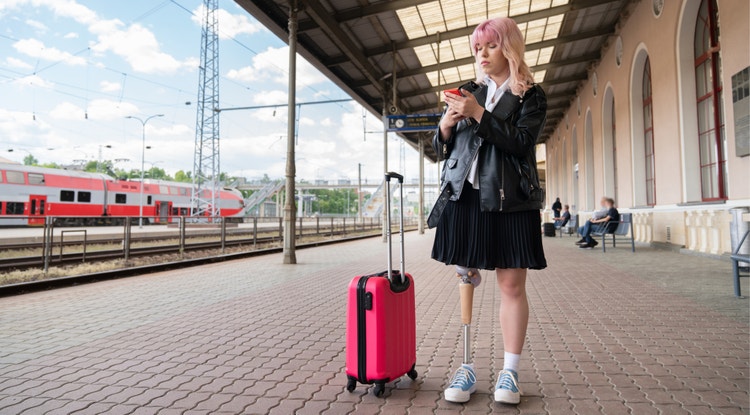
x=163 y=211
x=37 y=207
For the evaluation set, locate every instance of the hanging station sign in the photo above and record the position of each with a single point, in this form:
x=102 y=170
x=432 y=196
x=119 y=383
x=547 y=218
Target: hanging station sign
x=416 y=122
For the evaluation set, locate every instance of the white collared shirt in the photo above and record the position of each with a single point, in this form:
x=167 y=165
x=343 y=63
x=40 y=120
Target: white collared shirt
x=494 y=93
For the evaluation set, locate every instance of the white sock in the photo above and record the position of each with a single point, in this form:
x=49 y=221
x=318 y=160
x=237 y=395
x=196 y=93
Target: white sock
x=510 y=361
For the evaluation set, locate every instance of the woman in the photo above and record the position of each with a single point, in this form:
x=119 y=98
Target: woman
x=492 y=219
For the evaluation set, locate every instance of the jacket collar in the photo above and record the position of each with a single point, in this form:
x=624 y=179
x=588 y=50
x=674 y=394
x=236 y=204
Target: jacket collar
x=507 y=105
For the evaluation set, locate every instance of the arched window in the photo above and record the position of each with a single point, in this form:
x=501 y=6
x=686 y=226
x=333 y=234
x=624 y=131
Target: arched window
x=614 y=148
x=609 y=144
x=648 y=135
x=711 y=137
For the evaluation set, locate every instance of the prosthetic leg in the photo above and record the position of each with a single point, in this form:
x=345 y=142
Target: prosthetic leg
x=463 y=383
x=469 y=279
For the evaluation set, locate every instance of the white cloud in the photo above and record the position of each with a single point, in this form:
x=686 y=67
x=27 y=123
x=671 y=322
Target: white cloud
x=33 y=80
x=71 y=35
x=306 y=121
x=105 y=109
x=136 y=44
x=271 y=97
x=326 y=122
x=273 y=64
x=67 y=111
x=107 y=86
x=36 y=49
x=230 y=25
x=37 y=25
x=98 y=109
x=23 y=129
x=171 y=130
x=17 y=63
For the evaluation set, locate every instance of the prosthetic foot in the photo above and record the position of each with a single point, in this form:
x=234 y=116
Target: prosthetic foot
x=463 y=383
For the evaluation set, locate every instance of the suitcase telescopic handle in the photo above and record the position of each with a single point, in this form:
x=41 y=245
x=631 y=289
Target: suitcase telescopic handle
x=390 y=175
x=400 y=178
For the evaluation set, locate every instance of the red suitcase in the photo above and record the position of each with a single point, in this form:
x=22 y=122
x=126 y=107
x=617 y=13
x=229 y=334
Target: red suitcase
x=380 y=323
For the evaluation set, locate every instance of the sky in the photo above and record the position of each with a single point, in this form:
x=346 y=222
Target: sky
x=72 y=70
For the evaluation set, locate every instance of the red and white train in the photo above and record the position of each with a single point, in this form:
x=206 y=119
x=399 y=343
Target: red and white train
x=29 y=194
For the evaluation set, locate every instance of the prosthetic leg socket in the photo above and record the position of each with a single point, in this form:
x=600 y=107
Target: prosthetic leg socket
x=466 y=291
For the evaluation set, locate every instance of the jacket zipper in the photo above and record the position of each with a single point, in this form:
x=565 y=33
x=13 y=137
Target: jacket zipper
x=502 y=183
x=472 y=160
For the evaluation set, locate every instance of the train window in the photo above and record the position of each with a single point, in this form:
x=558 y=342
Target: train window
x=148 y=200
x=14 y=208
x=175 y=211
x=164 y=189
x=84 y=197
x=183 y=191
x=67 y=196
x=14 y=177
x=121 y=198
x=36 y=178
x=41 y=207
x=174 y=190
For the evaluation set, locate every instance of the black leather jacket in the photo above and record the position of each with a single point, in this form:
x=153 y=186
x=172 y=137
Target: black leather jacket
x=505 y=139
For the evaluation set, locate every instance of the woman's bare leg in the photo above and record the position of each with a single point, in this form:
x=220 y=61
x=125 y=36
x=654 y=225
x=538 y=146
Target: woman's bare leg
x=514 y=308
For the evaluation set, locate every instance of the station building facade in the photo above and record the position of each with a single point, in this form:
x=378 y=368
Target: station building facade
x=661 y=125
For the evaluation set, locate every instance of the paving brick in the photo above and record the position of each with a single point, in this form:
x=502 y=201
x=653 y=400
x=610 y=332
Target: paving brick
x=623 y=336
x=314 y=407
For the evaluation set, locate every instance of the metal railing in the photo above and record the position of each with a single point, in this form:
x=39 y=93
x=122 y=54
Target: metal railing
x=179 y=235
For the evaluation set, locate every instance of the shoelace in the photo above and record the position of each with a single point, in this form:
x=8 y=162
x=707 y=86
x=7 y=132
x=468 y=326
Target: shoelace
x=504 y=383
x=462 y=377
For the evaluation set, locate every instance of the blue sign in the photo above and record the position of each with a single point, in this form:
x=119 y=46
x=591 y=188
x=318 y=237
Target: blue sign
x=416 y=122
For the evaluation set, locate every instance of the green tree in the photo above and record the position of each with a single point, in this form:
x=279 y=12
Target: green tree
x=30 y=160
x=157 y=174
x=334 y=202
x=182 y=176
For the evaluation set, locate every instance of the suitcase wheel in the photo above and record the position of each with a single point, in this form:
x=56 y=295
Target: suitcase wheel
x=351 y=385
x=379 y=389
x=412 y=374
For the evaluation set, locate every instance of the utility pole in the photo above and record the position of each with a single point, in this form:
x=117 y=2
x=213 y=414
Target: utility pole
x=143 y=161
x=290 y=256
x=206 y=168
x=359 y=193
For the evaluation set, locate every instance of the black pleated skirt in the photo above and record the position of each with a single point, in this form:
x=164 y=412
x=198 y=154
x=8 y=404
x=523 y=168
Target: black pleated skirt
x=487 y=240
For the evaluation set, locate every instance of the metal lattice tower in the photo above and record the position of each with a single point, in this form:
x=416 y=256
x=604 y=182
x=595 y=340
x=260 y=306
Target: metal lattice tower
x=206 y=170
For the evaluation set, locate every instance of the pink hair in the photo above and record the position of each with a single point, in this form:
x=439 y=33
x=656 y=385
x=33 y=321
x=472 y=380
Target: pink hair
x=505 y=32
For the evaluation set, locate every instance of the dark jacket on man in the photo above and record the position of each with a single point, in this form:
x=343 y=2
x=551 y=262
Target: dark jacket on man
x=505 y=140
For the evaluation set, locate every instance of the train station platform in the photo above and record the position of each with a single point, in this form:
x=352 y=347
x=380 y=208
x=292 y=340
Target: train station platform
x=615 y=333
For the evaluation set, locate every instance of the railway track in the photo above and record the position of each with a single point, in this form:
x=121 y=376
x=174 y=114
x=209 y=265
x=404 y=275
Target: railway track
x=28 y=262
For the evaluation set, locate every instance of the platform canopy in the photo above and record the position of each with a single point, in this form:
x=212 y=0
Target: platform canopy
x=364 y=45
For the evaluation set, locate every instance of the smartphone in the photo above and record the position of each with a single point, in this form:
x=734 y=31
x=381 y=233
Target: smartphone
x=469 y=87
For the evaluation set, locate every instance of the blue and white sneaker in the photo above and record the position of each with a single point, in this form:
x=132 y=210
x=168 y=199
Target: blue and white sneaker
x=506 y=389
x=463 y=384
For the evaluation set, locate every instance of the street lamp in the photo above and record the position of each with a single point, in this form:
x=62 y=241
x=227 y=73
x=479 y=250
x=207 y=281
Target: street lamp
x=143 y=158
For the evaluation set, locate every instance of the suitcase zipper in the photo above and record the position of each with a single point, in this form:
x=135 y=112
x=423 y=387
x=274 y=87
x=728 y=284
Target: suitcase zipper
x=362 y=330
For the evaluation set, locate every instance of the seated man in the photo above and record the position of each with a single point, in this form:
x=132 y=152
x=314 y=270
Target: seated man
x=564 y=219
x=608 y=223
